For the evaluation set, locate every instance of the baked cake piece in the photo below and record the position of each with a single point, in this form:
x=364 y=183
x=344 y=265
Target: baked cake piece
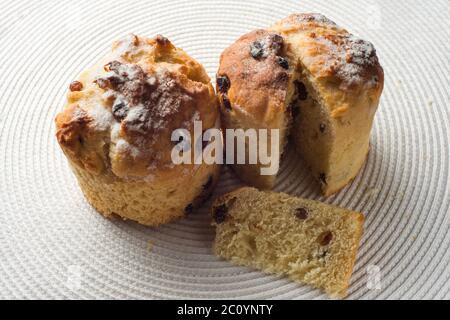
x=309 y=241
x=116 y=131
x=312 y=80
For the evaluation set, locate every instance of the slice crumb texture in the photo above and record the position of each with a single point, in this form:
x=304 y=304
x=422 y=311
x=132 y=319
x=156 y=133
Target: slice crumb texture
x=310 y=242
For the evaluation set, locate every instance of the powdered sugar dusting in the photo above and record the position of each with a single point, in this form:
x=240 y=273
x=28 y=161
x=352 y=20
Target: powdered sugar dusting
x=115 y=132
x=136 y=117
x=102 y=118
x=314 y=17
x=130 y=46
x=359 y=55
x=332 y=51
x=349 y=57
x=122 y=146
x=143 y=102
x=158 y=103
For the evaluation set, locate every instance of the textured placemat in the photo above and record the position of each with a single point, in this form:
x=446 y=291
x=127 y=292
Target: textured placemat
x=54 y=245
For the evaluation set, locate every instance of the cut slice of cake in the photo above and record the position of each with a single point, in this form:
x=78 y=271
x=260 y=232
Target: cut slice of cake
x=308 y=241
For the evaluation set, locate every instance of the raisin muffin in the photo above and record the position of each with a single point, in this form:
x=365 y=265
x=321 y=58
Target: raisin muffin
x=312 y=80
x=308 y=241
x=117 y=125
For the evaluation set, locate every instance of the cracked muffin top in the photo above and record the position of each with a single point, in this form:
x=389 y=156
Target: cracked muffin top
x=120 y=114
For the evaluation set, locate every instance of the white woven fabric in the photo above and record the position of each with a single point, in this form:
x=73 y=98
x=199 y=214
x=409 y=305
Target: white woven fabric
x=54 y=245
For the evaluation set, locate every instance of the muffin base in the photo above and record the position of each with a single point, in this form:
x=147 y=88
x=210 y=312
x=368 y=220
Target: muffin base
x=149 y=202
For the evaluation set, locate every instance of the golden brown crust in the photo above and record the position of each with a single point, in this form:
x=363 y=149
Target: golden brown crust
x=331 y=53
x=133 y=100
x=117 y=124
x=357 y=218
x=79 y=139
x=257 y=85
x=152 y=201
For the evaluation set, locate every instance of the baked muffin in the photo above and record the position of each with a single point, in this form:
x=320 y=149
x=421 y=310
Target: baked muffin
x=308 y=241
x=117 y=125
x=312 y=80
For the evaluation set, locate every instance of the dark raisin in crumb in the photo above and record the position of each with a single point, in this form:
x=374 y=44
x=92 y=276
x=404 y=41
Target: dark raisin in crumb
x=294 y=109
x=301 y=213
x=301 y=90
x=220 y=213
x=324 y=254
x=76 y=86
x=283 y=62
x=325 y=238
x=189 y=208
x=289 y=107
x=257 y=49
x=208 y=183
x=119 y=110
x=223 y=83
x=322 y=128
x=226 y=102
x=323 y=178
x=112 y=66
x=104 y=83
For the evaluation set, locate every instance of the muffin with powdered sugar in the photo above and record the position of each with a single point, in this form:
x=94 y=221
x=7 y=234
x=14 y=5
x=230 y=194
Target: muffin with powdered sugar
x=117 y=125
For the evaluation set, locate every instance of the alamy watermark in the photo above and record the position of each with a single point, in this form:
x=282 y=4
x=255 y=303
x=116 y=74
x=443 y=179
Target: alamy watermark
x=373 y=16
x=373 y=277
x=250 y=146
x=74 y=277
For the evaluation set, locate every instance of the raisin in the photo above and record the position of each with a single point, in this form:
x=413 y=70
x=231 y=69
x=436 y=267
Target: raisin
x=189 y=208
x=294 y=109
x=120 y=110
x=273 y=43
x=323 y=254
x=208 y=183
x=103 y=83
x=257 y=49
x=226 y=102
x=110 y=82
x=325 y=238
x=295 y=112
x=112 y=66
x=76 y=86
x=223 y=83
x=282 y=62
x=135 y=40
x=301 y=213
x=323 y=178
x=277 y=43
x=220 y=213
x=322 y=128
x=161 y=40
x=301 y=90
